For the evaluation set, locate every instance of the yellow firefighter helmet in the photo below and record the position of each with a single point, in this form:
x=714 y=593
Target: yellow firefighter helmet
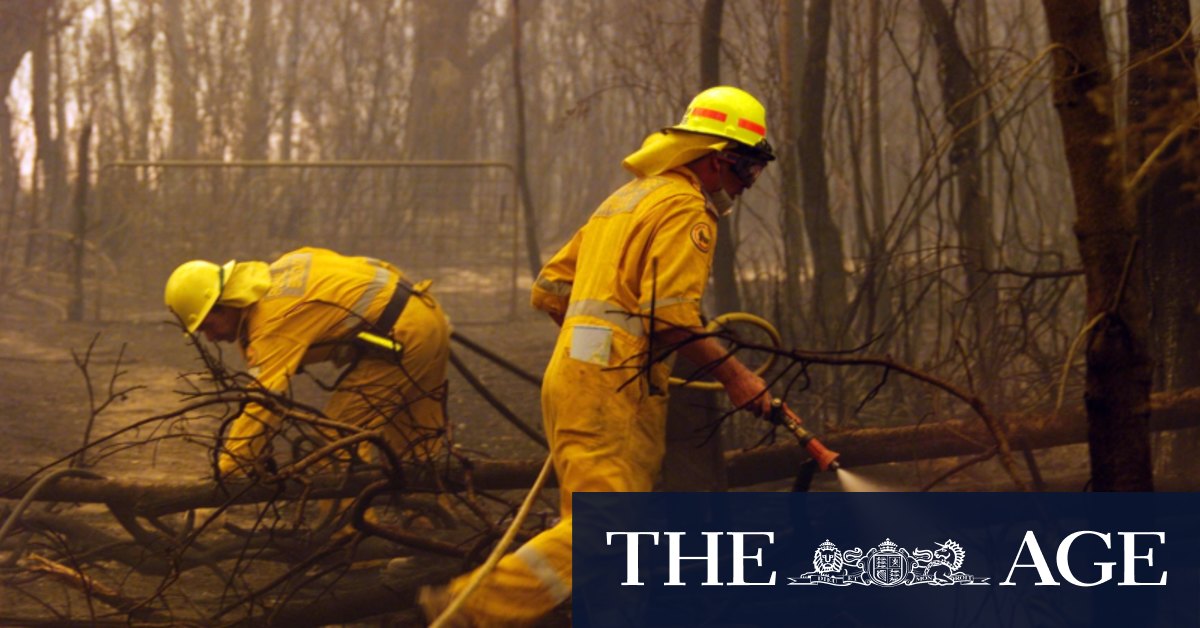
x=727 y=112
x=193 y=289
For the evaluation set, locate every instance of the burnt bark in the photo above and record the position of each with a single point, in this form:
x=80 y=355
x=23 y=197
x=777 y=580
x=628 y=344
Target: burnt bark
x=960 y=102
x=824 y=236
x=1118 y=366
x=146 y=82
x=118 y=82
x=532 y=251
x=791 y=59
x=1162 y=110
x=79 y=227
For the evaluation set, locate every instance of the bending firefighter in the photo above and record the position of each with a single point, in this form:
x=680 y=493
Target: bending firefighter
x=629 y=282
x=314 y=305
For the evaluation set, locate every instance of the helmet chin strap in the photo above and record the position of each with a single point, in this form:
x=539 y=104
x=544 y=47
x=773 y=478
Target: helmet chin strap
x=720 y=199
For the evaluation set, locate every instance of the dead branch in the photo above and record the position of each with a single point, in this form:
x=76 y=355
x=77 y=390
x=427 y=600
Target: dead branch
x=996 y=427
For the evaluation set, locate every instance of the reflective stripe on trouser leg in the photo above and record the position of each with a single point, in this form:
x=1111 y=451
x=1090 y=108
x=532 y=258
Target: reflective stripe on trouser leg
x=519 y=590
x=541 y=568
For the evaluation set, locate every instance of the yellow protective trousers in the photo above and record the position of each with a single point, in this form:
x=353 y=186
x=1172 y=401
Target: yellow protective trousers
x=603 y=438
x=406 y=399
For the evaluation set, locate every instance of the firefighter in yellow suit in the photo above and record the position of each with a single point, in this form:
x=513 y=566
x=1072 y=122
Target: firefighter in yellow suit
x=634 y=273
x=313 y=305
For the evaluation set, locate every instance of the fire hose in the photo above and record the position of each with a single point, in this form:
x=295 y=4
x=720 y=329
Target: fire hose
x=721 y=322
x=501 y=547
x=823 y=457
x=780 y=414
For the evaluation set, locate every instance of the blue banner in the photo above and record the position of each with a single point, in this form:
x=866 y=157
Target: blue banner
x=887 y=559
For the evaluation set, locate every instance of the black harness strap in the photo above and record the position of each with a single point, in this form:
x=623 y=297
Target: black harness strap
x=394 y=309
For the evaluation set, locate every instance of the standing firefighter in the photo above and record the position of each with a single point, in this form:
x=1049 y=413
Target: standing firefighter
x=313 y=305
x=628 y=282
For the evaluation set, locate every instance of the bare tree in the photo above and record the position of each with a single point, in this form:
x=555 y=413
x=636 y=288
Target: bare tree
x=146 y=82
x=20 y=25
x=118 y=81
x=184 y=121
x=49 y=194
x=256 y=105
x=442 y=83
x=960 y=98
x=824 y=236
x=1118 y=365
x=1162 y=140
x=1162 y=143
x=792 y=215
x=724 y=273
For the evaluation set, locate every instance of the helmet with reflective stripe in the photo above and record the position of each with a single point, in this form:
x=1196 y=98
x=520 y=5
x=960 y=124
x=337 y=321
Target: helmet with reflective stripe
x=193 y=289
x=730 y=113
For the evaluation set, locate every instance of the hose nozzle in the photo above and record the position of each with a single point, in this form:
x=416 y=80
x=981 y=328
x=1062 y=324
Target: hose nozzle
x=826 y=458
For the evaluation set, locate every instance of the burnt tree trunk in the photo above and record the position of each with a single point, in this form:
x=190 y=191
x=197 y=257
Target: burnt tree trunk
x=1118 y=367
x=960 y=97
x=50 y=191
x=79 y=227
x=1162 y=102
x=256 y=107
x=791 y=61
x=824 y=236
x=146 y=83
x=20 y=25
x=529 y=214
x=185 y=140
x=1162 y=106
x=725 y=287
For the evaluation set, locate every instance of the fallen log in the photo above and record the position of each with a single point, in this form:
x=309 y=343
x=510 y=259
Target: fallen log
x=160 y=498
x=858 y=447
x=943 y=439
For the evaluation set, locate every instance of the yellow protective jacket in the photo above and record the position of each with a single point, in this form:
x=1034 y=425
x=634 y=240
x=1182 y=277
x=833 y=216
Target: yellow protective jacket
x=317 y=298
x=607 y=272
x=644 y=254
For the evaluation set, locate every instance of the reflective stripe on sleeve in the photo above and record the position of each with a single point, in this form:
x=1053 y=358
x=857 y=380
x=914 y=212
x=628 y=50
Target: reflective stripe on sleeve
x=608 y=312
x=537 y=563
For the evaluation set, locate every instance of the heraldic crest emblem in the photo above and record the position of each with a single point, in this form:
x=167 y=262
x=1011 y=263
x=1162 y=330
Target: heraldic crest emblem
x=888 y=565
